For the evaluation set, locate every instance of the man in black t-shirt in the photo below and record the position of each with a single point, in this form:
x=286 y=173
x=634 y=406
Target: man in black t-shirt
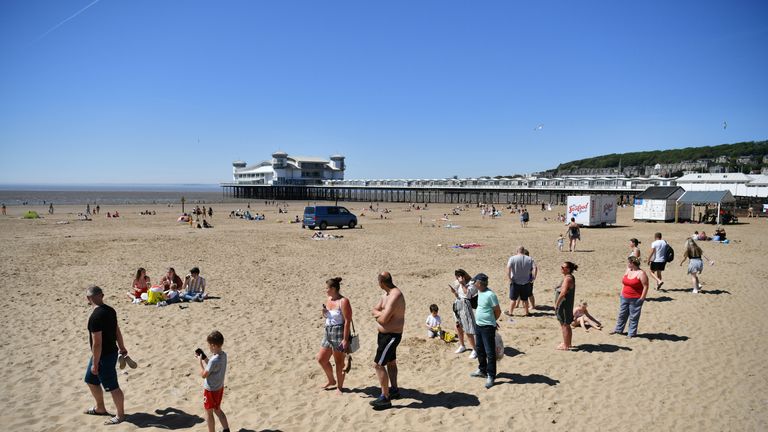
x=106 y=344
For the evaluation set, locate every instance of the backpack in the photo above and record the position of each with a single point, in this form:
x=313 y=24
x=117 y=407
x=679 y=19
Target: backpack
x=670 y=254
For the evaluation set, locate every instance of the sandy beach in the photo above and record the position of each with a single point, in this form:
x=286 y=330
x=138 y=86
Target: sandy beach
x=697 y=365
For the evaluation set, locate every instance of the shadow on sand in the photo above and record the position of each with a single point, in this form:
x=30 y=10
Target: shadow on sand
x=168 y=418
x=603 y=348
x=421 y=400
x=702 y=291
x=659 y=299
x=662 y=337
x=513 y=378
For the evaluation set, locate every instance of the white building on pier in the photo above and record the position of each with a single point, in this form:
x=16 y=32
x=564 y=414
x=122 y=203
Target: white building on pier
x=283 y=169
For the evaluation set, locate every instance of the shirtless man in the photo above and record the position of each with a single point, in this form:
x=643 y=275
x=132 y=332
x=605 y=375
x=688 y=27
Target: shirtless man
x=389 y=314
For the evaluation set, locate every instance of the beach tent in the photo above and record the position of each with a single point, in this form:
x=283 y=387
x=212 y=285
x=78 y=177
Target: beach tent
x=707 y=197
x=31 y=214
x=658 y=203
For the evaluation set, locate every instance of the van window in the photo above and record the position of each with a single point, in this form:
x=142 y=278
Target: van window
x=309 y=210
x=342 y=210
x=333 y=210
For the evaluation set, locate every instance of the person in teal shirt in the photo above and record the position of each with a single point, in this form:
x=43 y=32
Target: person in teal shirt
x=488 y=311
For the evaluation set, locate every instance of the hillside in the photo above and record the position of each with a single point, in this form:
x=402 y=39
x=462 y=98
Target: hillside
x=731 y=151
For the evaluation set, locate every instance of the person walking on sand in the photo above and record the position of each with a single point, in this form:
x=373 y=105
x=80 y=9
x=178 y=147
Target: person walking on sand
x=564 y=295
x=657 y=259
x=212 y=371
x=573 y=233
x=107 y=344
x=50 y=209
x=521 y=271
x=488 y=312
x=4 y=209
x=389 y=314
x=694 y=254
x=337 y=313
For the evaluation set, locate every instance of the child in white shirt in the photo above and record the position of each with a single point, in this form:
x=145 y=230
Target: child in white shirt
x=433 y=322
x=560 y=242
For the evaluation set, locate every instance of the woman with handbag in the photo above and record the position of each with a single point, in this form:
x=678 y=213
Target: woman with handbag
x=466 y=300
x=338 y=316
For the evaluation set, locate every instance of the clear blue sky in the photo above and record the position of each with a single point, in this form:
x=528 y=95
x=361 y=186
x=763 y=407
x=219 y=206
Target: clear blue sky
x=121 y=92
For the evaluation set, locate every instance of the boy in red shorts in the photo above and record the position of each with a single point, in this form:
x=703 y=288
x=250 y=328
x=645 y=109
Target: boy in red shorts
x=213 y=371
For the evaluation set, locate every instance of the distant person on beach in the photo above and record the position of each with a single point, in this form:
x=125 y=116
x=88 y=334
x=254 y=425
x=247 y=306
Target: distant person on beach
x=464 y=292
x=632 y=297
x=107 y=344
x=573 y=233
x=657 y=259
x=88 y=209
x=389 y=314
x=634 y=250
x=194 y=286
x=50 y=209
x=210 y=212
x=213 y=370
x=694 y=254
x=337 y=313
x=488 y=312
x=582 y=318
x=560 y=242
x=564 y=295
x=98 y=209
x=521 y=271
x=4 y=209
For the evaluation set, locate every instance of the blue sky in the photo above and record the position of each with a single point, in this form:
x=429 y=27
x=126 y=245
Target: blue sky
x=121 y=92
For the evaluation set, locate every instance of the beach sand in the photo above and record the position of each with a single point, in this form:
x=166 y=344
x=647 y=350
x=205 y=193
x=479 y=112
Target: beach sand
x=697 y=365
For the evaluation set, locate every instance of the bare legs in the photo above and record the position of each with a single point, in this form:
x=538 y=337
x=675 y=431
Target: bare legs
x=117 y=397
x=323 y=358
x=387 y=374
x=695 y=280
x=656 y=275
x=567 y=337
x=586 y=322
x=513 y=304
x=211 y=423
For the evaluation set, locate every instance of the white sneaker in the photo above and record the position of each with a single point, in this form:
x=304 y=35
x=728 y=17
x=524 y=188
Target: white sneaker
x=695 y=291
x=460 y=349
x=473 y=355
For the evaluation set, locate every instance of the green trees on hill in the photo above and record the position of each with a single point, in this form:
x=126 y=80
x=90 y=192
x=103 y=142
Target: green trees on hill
x=758 y=149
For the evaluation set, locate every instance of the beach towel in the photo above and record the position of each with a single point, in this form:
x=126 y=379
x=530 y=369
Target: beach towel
x=467 y=246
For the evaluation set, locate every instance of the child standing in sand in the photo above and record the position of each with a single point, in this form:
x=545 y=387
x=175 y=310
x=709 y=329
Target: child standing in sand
x=213 y=370
x=433 y=321
x=560 y=243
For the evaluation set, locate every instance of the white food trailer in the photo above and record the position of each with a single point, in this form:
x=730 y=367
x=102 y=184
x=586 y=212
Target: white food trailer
x=592 y=210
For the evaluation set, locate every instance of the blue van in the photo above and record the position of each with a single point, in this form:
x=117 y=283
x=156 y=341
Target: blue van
x=325 y=216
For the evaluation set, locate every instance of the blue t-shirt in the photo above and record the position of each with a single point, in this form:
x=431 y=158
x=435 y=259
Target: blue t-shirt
x=486 y=302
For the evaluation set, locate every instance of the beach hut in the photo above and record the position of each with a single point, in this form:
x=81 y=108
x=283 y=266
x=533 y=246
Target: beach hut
x=707 y=198
x=658 y=203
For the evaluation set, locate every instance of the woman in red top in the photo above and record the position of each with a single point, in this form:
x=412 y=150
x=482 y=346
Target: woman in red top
x=632 y=297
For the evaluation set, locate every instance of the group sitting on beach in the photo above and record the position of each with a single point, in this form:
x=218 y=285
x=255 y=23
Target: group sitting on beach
x=171 y=288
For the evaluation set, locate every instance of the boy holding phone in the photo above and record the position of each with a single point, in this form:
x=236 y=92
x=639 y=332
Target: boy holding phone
x=213 y=370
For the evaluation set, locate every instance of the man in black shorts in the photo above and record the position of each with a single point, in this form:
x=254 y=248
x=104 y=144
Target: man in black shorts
x=389 y=314
x=106 y=344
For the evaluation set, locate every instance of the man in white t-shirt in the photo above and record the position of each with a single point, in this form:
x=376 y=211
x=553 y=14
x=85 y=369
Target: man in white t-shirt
x=657 y=258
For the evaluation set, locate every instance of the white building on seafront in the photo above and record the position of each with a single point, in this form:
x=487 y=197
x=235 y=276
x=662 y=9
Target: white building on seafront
x=283 y=169
x=743 y=185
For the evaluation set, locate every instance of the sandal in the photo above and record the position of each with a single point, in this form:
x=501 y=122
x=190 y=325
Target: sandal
x=121 y=361
x=113 y=421
x=131 y=363
x=92 y=411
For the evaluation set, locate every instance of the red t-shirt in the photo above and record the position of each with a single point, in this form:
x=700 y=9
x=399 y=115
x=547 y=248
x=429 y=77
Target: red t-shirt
x=633 y=288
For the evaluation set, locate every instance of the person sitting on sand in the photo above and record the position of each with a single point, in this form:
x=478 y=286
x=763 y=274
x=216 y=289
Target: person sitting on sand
x=140 y=285
x=194 y=286
x=433 y=322
x=582 y=318
x=173 y=295
x=206 y=224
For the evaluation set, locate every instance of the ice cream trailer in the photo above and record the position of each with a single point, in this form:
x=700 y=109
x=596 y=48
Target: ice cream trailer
x=592 y=210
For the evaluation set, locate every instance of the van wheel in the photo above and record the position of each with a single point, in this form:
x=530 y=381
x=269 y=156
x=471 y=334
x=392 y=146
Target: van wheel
x=323 y=225
x=351 y=224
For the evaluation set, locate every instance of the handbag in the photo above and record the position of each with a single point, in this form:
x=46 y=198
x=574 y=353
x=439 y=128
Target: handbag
x=354 y=340
x=473 y=302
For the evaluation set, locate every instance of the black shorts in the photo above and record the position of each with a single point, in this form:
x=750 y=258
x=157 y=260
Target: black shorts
x=387 y=349
x=658 y=266
x=520 y=292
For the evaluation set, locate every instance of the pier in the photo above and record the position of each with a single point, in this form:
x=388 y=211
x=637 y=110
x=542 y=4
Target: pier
x=420 y=194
